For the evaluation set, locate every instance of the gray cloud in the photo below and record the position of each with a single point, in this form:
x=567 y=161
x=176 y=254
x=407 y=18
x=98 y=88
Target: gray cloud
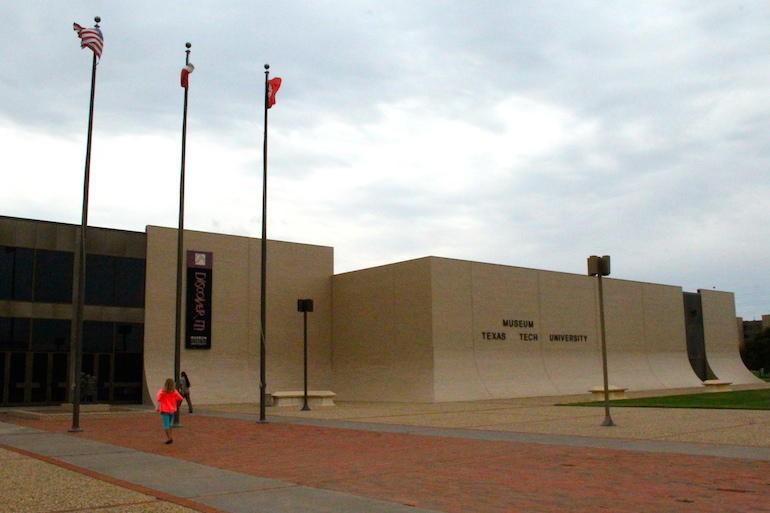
x=524 y=133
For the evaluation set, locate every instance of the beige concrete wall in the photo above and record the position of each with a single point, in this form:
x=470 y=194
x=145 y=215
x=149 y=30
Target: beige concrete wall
x=646 y=340
x=229 y=371
x=561 y=352
x=721 y=336
x=476 y=355
x=569 y=306
x=499 y=331
x=382 y=333
x=453 y=332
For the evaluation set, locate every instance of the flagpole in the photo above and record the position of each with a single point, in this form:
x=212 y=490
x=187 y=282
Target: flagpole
x=263 y=274
x=80 y=262
x=180 y=247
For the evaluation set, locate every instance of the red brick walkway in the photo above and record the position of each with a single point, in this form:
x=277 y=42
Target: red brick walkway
x=448 y=474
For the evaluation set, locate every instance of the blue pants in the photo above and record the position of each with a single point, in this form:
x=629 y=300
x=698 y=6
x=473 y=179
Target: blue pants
x=168 y=420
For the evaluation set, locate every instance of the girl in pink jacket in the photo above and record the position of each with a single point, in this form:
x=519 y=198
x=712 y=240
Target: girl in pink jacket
x=168 y=400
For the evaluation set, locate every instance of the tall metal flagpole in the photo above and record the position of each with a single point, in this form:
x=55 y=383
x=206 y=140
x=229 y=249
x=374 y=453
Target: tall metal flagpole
x=77 y=342
x=263 y=274
x=180 y=247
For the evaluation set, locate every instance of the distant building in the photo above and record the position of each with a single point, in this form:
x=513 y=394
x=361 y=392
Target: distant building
x=430 y=329
x=750 y=329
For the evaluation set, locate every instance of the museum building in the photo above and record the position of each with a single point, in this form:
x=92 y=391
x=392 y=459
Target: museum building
x=425 y=330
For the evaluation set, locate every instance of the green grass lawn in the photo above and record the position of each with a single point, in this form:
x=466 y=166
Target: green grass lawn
x=738 y=400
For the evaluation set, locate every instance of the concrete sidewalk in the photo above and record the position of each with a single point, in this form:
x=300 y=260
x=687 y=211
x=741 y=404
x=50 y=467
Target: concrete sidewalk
x=83 y=475
x=486 y=457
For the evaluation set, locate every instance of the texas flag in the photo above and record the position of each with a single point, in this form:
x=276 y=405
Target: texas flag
x=272 y=87
x=186 y=74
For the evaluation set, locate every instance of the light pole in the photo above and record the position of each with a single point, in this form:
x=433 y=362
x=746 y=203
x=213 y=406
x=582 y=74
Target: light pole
x=600 y=266
x=305 y=306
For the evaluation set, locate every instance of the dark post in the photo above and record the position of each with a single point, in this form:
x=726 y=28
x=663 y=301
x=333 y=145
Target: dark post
x=600 y=266
x=305 y=306
x=263 y=274
x=77 y=341
x=180 y=247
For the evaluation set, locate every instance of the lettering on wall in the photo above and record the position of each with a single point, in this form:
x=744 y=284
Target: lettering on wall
x=568 y=338
x=515 y=333
x=199 y=300
x=518 y=323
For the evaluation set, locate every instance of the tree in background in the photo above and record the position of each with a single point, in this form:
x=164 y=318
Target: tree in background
x=756 y=351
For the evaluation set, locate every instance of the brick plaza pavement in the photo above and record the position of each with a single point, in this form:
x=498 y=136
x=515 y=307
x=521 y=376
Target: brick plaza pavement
x=444 y=473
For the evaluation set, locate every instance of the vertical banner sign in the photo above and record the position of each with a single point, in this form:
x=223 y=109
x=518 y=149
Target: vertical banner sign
x=199 y=287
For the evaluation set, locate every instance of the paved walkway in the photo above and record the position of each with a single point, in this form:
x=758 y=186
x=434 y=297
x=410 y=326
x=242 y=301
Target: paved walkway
x=491 y=456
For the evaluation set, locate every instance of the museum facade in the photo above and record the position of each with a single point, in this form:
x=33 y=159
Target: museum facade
x=425 y=330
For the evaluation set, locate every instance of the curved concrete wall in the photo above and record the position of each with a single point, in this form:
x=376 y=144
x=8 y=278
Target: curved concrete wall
x=722 y=338
x=497 y=331
x=558 y=348
x=646 y=341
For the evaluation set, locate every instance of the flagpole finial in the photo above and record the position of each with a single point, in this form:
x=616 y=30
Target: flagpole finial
x=187 y=45
x=267 y=66
x=98 y=19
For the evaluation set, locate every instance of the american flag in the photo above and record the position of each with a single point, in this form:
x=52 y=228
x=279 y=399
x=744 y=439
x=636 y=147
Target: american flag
x=90 y=38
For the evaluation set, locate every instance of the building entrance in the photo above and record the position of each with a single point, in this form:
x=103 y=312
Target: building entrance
x=34 y=362
x=33 y=378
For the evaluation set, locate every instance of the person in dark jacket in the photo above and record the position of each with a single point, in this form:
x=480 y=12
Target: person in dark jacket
x=184 y=389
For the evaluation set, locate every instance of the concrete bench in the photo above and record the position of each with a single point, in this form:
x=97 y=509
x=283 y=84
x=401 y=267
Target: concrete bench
x=597 y=393
x=296 y=398
x=717 y=385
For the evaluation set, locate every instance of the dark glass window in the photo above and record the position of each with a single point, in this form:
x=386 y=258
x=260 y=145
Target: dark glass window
x=100 y=280
x=39 y=377
x=114 y=281
x=17 y=377
x=53 y=276
x=87 y=365
x=59 y=377
x=129 y=282
x=14 y=334
x=129 y=338
x=97 y=337
x=50 y=335
x=128 y=368
x=16 y=273
x=3 y=398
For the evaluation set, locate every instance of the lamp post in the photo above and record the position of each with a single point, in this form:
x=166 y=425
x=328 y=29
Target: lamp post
x=305 y=306
x=600 y=266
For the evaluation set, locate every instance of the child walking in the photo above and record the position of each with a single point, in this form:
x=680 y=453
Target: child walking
x=168 y=399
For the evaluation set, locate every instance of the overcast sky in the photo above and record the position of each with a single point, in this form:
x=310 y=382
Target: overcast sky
x=523 y=133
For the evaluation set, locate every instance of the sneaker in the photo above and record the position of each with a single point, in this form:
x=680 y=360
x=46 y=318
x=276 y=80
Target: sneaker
x=169 y=442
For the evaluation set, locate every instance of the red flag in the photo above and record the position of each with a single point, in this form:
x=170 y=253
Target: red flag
x=186 y=74
x=272 y=87
x=90 y=38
